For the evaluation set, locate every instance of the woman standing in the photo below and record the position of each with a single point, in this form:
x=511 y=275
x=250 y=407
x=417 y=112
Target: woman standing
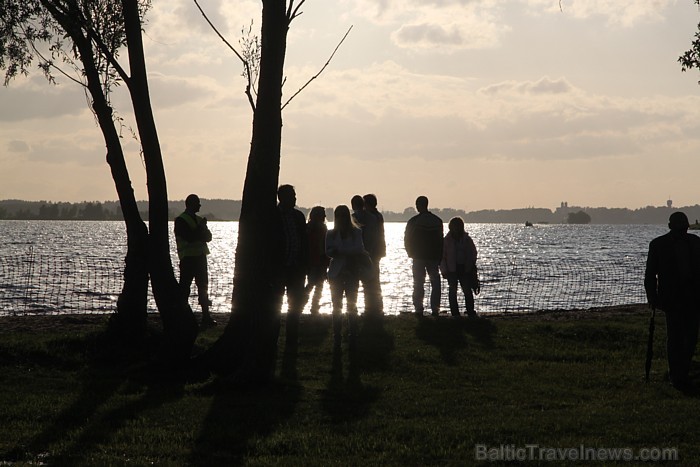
x=459 y=266
x=316 y=231
x=345 y=248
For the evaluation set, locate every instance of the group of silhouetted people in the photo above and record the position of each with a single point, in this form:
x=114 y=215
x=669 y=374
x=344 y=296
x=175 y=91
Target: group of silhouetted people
x=346 y=256
x=349 y=254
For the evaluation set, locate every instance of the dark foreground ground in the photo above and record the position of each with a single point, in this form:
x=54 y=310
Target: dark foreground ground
x=549 y=388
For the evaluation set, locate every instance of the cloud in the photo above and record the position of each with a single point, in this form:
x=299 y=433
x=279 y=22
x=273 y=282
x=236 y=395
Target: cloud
x=35 y=98
x=16 y=146
x=439 y=25
x=393 y=113
x=543 y=86
x=451 y=25
x=179 y=26
x=59 y=150
x=448 y=37
x=616 y=13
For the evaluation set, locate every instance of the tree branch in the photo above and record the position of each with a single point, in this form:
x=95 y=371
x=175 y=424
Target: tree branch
x=50 y=63
x=321 y=70
x=64 y=17
x=246 y=65
x=293 y=12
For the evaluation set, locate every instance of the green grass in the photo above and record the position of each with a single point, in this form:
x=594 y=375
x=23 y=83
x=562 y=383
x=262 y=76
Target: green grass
x=417 y=393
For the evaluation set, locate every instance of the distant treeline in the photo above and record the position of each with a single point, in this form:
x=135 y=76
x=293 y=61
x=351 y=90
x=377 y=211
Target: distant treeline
x=229 y=210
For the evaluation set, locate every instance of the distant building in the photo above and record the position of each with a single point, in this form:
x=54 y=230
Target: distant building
x=669 y=203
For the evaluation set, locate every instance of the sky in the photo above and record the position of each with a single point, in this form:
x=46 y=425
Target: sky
x=477 y=104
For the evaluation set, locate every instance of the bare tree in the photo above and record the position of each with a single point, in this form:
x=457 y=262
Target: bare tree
x=96 y=30
x=248 y=347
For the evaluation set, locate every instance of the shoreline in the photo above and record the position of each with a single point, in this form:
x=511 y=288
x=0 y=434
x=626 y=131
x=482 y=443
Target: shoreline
x=78 y=321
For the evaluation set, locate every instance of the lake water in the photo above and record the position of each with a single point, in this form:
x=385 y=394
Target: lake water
x=75 y=266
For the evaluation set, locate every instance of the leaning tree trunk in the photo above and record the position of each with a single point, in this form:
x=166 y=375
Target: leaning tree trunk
x=131 y=317
x=179 y=324
x=248 y=347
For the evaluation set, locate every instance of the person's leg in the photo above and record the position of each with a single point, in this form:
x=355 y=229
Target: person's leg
x=418 y=269
x=351 y=289
x=452 y=293
x=295 y=304
x=373 y=292
x=675 y=335
x=316 y=299
x=314 y=288
x=435 y=285
x=691 y=321
x=186 y=276
x=201 y=279
x=466 y=285
x=337 y=289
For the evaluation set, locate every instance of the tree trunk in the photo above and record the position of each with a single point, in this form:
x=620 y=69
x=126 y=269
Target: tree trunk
x=131 y=317
x=248 y=347
x=179 y=324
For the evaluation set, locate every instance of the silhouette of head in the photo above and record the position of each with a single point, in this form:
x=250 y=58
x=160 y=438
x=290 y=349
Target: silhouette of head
x=342 y=220
x=357 y=203
x=678 y=222
x=370 y=201
x=456 y=225
x=317 y=214
x=287 y=196
x=192 y=203
x=422 y=203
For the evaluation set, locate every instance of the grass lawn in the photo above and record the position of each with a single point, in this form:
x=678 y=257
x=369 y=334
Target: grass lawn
x=417 y=392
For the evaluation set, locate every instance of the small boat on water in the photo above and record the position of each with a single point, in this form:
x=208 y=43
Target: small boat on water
x=528 y=224
x=695 y=226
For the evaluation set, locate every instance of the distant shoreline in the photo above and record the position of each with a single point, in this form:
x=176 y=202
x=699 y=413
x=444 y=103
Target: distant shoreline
x=229 y=210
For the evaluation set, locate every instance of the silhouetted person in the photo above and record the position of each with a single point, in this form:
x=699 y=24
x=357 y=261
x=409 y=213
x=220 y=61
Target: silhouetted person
x=344 y=246
x=672 y=283
x=316 y=231
x=295 y=258
x=375 y=244
x=368 y=223
x=423 y=242
x=191 y=237
x=458 y=266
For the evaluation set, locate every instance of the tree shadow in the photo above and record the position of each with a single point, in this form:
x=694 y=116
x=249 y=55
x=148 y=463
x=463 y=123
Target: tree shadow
x=238 y=414
x=449 y=335
x=113 y=369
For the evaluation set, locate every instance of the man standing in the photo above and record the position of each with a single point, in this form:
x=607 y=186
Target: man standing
x=369 y=224
x=191 y=237
x=423 y=242
x=376 y=248
x=294 y=259
x=672 y=283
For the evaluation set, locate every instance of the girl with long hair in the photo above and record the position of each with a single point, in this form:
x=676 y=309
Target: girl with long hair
x=316 y=231
x=345 y=248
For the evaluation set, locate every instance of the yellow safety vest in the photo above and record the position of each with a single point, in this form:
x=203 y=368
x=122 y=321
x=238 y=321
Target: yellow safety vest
x=186 y=248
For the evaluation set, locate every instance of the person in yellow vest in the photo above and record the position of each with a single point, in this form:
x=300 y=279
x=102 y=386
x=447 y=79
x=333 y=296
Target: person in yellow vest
x=192 y=236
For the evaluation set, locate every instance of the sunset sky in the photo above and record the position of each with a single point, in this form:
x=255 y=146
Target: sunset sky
x=478 y=104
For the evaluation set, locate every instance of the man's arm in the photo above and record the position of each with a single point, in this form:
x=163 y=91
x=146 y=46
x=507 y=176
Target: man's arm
x=651 y=276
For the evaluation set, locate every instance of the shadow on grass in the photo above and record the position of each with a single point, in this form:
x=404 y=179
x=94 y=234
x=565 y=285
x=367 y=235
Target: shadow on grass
x=375 y=345
x=93 y=418
x=348 y=399
x=238 y=417
x=449 y=335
